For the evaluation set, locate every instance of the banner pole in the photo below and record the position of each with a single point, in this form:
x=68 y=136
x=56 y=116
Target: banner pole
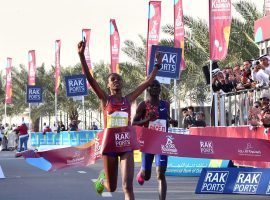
x=30 y=125
x=83 y=113
x=211 y=93
x=55 y=108
x=5 y=113
x=175 y=99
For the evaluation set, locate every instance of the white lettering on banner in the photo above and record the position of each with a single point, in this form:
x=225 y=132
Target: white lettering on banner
x=247 y=182
x=249 y=151
x=76 y=85
x=206 y=147
x=115 y=48
x=97 y=152
x=215 y=181
x=158 y=125
x=34 y=94
x=221 y=5
x=169 y=62
x=178 y=22
x=122 y=139
x=169 y=147
x=268 y=188
x=153 y=33
x=77 y=158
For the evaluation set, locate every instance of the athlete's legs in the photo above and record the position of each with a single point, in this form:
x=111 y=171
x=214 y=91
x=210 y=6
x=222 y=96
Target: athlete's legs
x=161 y=163
x=162 y=184
x=111 y=172
x=127 y=171
x=146 y=169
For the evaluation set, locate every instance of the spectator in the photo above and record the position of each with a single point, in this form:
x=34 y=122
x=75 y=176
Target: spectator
x=200 y=120
x=55 y=127
x=47 y=130
x=44 y=126
x=73 y=126
x=264 y=61
x=62 y=126
x=260 y=77
x=264 y=100
x=191 y=112
x=220 y=82
x=187 y=119
x=94 y=126
x=23 y=136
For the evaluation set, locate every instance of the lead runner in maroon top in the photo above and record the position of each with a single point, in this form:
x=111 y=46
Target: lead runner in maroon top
x=116 y=110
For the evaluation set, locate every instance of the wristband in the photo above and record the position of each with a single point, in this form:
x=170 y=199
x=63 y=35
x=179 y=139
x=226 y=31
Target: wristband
x=158 y=66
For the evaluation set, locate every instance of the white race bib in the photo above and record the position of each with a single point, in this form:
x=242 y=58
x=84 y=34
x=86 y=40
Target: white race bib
x=117 y=119
x=158 y=125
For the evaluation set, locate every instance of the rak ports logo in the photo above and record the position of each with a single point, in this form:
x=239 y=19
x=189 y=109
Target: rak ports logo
x=207 y=147
x=169 y=147
x=247 y=182
x=215 y=181
x=122 y=139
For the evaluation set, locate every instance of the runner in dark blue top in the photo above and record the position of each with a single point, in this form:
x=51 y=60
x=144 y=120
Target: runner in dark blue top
x=154 y=114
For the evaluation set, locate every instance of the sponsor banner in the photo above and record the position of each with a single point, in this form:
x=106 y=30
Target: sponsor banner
x=179 y=30
x=8 y=97
x=114 y=46
x=76 y=85
x=180 y=166
x=57 y=65
x=119 y=139
x=31 y=67
x=234 y=181
x=34 y=94
x=261 y=30
x=156 y=142
x=219 y=28
x=170 y=62
x=266 y=7
x=154 y=18
x=236 y=132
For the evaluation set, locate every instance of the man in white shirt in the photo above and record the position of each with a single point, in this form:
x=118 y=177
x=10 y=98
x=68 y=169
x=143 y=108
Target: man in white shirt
x=260 y=76
x=264 y=61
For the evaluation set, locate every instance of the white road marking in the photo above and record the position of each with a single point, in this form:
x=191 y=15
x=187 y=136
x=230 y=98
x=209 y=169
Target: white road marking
x=82 y=172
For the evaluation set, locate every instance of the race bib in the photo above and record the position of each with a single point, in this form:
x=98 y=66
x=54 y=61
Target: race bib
x=117 y=119
x=158 y=125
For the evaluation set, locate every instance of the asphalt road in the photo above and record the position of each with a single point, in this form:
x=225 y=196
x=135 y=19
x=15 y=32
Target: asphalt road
x=26 y=182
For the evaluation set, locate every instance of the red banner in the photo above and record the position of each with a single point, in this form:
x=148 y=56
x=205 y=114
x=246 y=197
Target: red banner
x=266 y=7
x=154 y=17
x=154 y=142
x=8 y=99
x=31 y=67
x=219 y=28
x=114 y=46
x=235 y=132
x=57 y=65
x=179 y=32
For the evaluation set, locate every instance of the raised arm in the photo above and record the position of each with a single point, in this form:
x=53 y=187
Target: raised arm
x=139 y=118
x=137 y=92
x=97 y=89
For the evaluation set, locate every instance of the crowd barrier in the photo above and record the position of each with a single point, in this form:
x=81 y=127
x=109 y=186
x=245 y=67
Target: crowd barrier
x=68 y=138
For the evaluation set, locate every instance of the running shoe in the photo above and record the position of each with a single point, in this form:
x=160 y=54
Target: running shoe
x=140 y=179
x=99 y=183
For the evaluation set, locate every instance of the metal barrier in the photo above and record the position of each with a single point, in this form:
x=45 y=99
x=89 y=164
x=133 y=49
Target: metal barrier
x=233 y=108
x=70 y=138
